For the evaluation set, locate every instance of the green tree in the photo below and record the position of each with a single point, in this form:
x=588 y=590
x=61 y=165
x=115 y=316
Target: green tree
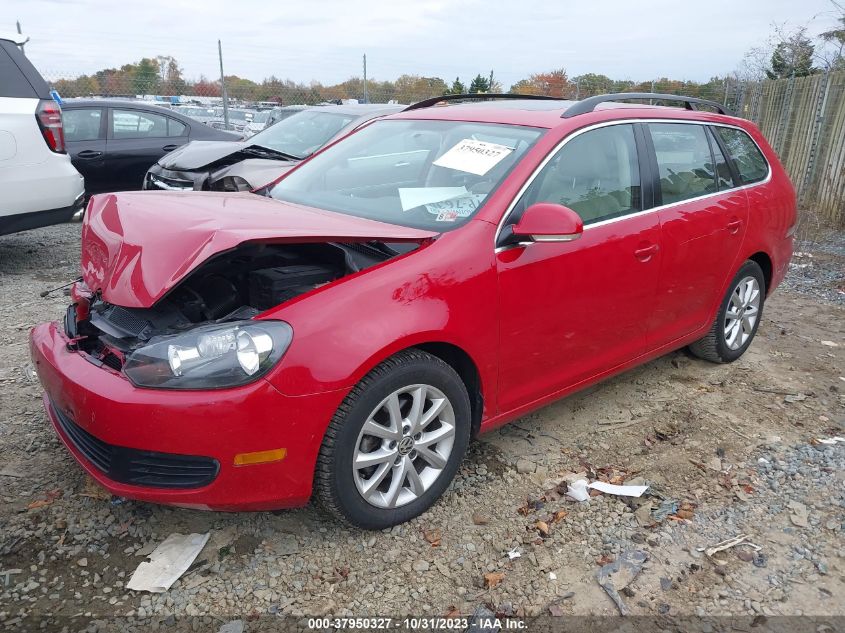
x=479 y=84
x=457 y=88
x=145 y=77
x=792 y=57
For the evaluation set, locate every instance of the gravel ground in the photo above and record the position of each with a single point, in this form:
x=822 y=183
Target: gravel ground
x=727 y=450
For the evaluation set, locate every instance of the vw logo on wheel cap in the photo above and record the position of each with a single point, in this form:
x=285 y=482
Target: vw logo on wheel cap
x=406 y=445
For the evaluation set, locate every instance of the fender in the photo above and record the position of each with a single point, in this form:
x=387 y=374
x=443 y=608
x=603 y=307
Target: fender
x=397 y=306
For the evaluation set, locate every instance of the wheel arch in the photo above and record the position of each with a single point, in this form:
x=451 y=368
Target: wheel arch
x=463 y=364
x=450 y=353
x=764 y=261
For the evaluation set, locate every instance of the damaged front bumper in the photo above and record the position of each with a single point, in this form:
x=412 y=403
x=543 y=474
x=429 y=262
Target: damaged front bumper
x=180 y=447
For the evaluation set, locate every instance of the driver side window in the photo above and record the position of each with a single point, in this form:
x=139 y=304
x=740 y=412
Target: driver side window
x=596 y=174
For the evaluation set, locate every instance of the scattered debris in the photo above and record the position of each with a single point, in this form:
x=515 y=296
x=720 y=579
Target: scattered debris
x=167 y=563
x=552 y=575
x=433 y=536
x=492 y=579
x=666 y=507
x=727 y=544
x=542 y=528
x=514 y=553
x=615 y=576
x=480 y=621
x=830 y=344
x=795 y=397
x=50 y=497
x=828 y=440
x=622 y=491
x=7 y=573
x=577 y=490
x=479 y=519
x=94 y=490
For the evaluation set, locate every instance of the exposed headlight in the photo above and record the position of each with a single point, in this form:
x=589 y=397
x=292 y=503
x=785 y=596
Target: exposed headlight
x=231 y=183
x=209 y=356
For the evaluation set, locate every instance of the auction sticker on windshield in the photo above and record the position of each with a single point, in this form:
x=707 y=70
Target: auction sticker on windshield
x=474 y=157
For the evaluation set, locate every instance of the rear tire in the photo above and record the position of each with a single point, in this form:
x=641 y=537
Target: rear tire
x=737 y=319
x=395 y=443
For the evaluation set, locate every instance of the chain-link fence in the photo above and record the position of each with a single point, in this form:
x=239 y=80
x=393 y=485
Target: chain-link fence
x=803 y=118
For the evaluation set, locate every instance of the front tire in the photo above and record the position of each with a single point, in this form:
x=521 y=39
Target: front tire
x=395 y=443
x=738 y=317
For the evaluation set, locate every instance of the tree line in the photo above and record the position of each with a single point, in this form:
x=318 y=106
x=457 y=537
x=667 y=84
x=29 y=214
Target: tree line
x=785 y=54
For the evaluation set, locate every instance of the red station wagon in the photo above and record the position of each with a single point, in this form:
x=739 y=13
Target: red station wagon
x=429 y=277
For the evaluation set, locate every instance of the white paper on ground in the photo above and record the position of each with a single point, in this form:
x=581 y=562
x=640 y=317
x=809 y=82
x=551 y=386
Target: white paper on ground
x=167 y=563
x=831 y=440
x=622 y=491
x=413 y=197
x=474 y=157
x=578 y=490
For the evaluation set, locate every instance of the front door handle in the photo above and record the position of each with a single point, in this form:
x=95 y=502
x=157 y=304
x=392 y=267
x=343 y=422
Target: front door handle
x=733 y=226
x=88 y=154
x=645 y=253
x=169 y=148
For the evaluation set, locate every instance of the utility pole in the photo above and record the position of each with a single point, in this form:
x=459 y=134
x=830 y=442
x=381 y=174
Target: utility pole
x=223 y=87
x=19 y=33
x=366 y=98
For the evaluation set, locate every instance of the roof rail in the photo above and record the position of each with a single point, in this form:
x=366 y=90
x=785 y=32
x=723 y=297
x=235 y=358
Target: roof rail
x=589 y=104
x=427 y=103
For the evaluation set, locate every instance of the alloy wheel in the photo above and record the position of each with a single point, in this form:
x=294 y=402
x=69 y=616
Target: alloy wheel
x=403 y=446
x=742 y=312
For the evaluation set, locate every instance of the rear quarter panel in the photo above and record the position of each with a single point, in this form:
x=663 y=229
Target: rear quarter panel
x=772 y=213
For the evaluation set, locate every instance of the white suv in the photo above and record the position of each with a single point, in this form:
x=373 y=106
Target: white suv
x=39 y=184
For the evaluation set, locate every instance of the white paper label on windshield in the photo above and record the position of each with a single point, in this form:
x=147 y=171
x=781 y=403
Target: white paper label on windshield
x=474 y=157
x=455 y=208
x=413 y=197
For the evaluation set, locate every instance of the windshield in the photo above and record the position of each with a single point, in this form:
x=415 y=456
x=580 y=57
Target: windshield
x=303 y=133
x=432 y=175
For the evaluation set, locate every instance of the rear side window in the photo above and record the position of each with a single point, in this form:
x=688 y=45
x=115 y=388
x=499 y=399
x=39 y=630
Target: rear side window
x=596 y=174
x=175 y=128
x=18 y=77
x=723 y=171
x=747 y=158
x=82 y=124
x=684 y=161
x=139 y=124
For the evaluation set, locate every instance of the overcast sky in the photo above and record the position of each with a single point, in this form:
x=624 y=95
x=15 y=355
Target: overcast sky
x=324 y=40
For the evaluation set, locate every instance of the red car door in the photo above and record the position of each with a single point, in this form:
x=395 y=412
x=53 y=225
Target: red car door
x=570 y=311
x=703 y=219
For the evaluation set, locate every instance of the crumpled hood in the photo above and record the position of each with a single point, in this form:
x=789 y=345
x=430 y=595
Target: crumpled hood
x=256 y=171
x=137 y=246
x=198 y=154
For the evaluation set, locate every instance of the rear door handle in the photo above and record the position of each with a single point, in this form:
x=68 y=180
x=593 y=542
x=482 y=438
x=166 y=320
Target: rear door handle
x=88 y=154
x=644 y=254
x=733 y=226
x=169 y=148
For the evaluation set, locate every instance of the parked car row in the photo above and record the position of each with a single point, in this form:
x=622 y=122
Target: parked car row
x=264 y=157
x=113 y=142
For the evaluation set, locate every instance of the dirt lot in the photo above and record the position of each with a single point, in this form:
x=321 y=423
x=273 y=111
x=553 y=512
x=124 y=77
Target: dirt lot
x=727 y=450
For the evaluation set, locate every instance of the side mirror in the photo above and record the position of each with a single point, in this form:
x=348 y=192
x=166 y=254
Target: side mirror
x=549 y=222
